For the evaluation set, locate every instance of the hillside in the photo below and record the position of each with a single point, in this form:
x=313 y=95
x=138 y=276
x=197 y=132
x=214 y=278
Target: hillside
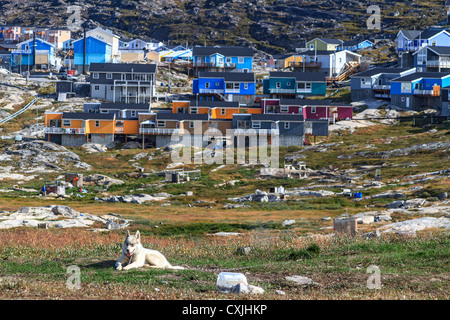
x=269 y=25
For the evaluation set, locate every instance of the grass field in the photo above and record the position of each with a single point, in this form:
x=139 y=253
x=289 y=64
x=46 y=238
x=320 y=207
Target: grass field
x=34 y=262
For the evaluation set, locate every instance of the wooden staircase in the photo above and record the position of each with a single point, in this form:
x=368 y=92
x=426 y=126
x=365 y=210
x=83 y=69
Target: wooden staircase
x=351 y=67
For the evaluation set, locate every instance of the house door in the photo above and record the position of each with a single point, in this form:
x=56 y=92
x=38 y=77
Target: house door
x=407 y=102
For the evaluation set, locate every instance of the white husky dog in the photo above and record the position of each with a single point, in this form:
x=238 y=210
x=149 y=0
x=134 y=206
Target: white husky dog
x=136 y=256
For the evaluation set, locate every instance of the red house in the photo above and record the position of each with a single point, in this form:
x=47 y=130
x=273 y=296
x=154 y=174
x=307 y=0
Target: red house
x=310 y=109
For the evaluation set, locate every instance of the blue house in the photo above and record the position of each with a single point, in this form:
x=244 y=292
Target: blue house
x=354 y=45
x=225 y=86
x=412 y=40
x=33 y=52
x=419 y=90
x=97 y=51
x=235 y=59
x=376 y=82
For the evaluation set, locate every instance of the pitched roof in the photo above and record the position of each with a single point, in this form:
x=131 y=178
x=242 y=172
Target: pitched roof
x=374 y=71
x=420 y=75
x=224 y=50
x=312 y=102
x=88 y=116
x=277 y=117
x=441 y=51
x=122 y=67
x=124 y=106
x=331 y=41
x=410 y=34
x=181 y=116
x=214 y=104
x=429 y=33
x=229 y=76
x=299 y=76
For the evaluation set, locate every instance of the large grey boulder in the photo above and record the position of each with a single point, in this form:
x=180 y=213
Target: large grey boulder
x=65 y=211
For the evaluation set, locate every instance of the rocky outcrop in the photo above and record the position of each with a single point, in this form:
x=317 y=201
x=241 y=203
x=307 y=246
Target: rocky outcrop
x=41 y=156
x=270 y=24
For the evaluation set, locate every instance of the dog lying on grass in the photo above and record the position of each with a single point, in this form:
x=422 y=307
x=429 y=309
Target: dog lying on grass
x=136 y=256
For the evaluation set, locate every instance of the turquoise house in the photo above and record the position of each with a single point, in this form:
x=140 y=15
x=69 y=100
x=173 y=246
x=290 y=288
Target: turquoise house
x=295 y=84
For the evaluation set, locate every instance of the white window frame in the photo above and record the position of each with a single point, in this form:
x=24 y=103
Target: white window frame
x=67 y=123
x=160 y=124
x=287 y=125
x=241 y=60
x=278 y=85
x=284 y=108
x=133 y=113
x=194 y=110
x=109 y=76
x=95 y=75
x=191 y=124
x=313 y=110
x=223 y=111
x=96 y=88
x=97 y=123
x=207 y=85
x=245 y=85
x=256 y=124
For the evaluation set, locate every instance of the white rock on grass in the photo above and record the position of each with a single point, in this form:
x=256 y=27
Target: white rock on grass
x=416 y=225
x=300 y=280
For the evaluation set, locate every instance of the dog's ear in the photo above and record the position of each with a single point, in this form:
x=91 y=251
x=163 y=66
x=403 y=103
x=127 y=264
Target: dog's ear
x=138 y=235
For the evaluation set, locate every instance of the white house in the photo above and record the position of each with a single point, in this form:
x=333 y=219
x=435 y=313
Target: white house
x=330 y=62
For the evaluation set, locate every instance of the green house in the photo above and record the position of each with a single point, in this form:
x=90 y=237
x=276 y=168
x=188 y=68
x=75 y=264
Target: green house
x=295 y=84
x=325 y=44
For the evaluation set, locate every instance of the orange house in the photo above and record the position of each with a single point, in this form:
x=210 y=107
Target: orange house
x=78 y=128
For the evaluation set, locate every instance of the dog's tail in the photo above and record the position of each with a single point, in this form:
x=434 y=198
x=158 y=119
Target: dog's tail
x=176 y=268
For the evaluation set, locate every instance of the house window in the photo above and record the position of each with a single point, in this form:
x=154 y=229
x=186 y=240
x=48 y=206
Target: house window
x=194 y=110
x=311 y=47
x=27 y=47
x=97 y=123
x=228 y=60
x=313 y=109
x=191 y=124
x=104 y=111
x=95 y=75
x=217 y=84
x=123 y=76
x=96 y=88
x=66 y=123
x=109 y=76
x=245 y=86
x=287 y=125
x=207 y=85
x=405 y=87
x=284 y=109
x=278 y=85
x=160 y=124
x=256 y=124
x=241 y=60
x=133 y=113
x=433 y=43
x=304 y=86
x=222 y=111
